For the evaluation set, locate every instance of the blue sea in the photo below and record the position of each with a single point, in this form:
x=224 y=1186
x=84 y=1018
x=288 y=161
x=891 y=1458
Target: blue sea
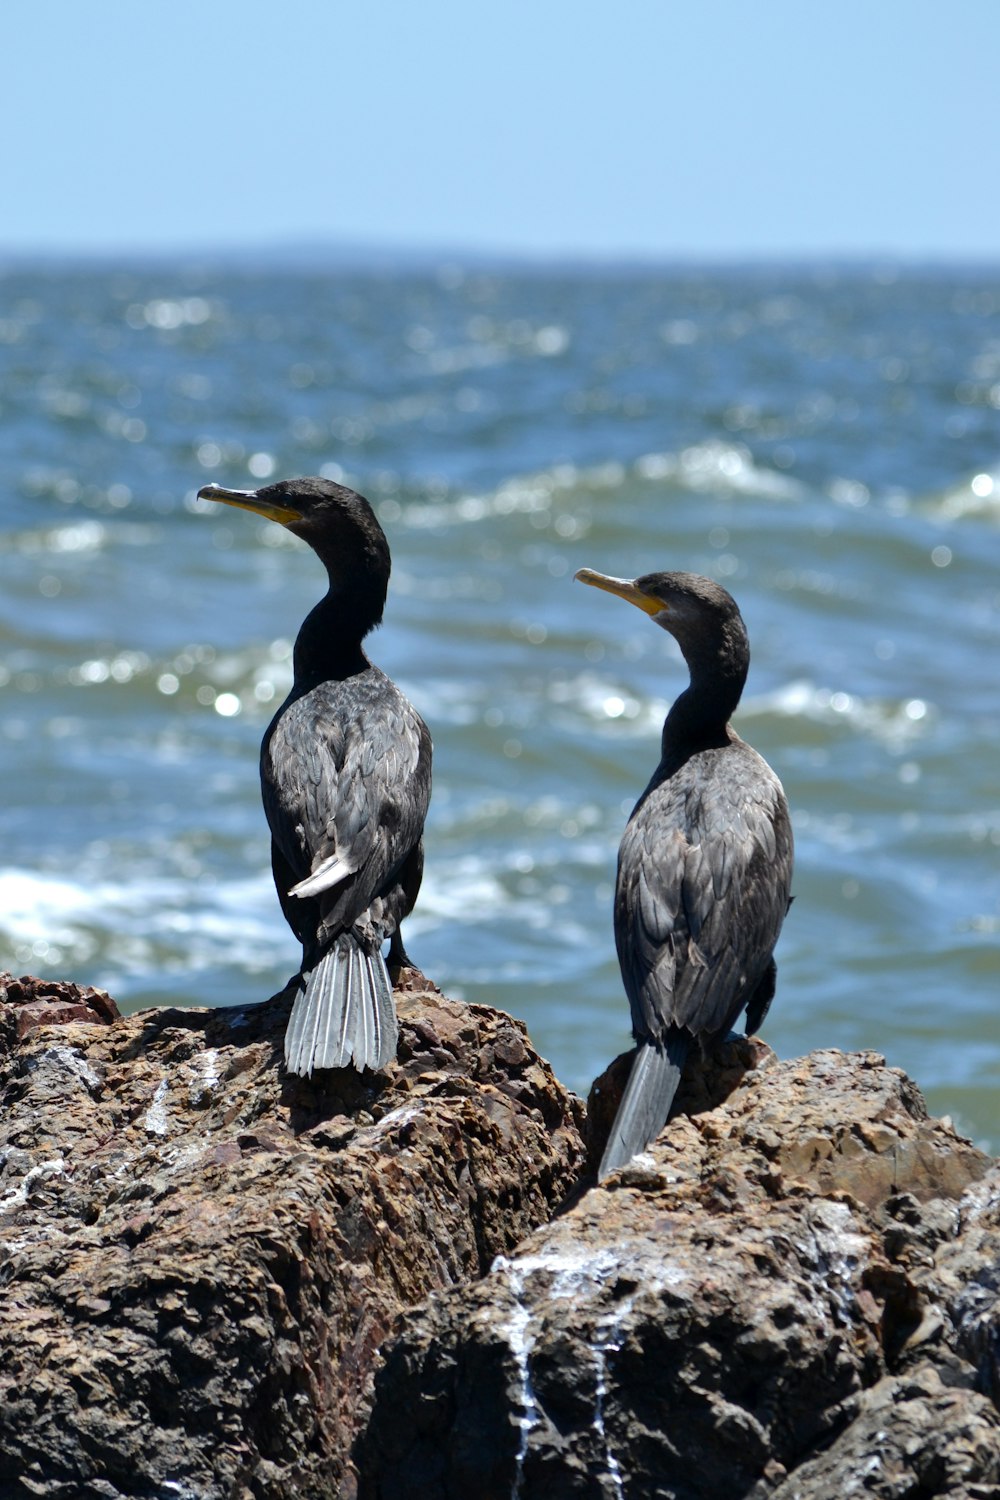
x=824 y=440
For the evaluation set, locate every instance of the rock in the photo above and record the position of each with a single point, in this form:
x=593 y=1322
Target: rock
x=220 y=1282
x=793 y=1293
x=27 y=1003
x=910 y=1438
x=200 y=1256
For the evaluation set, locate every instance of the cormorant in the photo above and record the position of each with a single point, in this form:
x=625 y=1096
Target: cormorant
x=705 y=863
x=345 y=771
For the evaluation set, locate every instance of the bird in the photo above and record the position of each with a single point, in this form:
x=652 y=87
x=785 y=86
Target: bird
x=345 y=772
x=705 y=862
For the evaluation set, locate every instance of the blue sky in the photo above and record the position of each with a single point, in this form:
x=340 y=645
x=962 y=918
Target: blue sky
x=720 y=128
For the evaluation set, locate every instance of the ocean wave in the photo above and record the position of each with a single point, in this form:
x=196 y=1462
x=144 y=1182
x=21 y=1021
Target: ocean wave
x=140 y=927
x=894 y=723
x=979 y=495
x=721 y=467
x=608 y=704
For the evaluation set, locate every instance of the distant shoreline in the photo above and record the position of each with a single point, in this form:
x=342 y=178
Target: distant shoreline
x=338 y=255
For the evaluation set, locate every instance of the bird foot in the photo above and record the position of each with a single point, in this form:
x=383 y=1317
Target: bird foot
x=406 y=978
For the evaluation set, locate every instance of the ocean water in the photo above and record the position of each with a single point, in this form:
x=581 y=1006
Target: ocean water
x=825 y=441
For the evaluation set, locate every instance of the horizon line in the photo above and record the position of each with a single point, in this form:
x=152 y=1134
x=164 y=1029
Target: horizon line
x=344 y=251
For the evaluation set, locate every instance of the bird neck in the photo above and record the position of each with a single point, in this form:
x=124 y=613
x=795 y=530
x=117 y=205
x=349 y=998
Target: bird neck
x=700 y=715
x=328 y=646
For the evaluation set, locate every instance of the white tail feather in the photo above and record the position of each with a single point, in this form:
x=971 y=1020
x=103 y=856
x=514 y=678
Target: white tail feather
x=343 y=1013
x=324 y=877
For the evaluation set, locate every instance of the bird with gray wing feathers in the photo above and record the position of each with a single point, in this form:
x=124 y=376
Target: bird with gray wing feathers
x=705 y=863
x=345 y=769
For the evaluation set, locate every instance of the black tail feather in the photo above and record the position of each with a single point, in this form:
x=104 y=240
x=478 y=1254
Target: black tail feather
x=343 y=1012
x=645 y=1105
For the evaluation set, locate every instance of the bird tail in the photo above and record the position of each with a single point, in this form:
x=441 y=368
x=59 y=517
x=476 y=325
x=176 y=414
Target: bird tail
x=343 y=1012
x=646 y=1102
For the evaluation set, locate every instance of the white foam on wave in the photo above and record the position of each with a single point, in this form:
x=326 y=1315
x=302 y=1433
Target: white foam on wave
x=521 y=494
x=625 y=712
x=138 y=927
x=716 y=465
x=501 y=916
x=727 y=468
x=891 y=722
x=609 y=704
x=127 y=933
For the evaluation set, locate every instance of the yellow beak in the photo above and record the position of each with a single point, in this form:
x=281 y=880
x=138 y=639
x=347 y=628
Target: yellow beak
x=625 y=589
x=250 y=500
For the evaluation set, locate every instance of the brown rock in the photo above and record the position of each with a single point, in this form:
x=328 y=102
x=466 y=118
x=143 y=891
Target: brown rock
x=27 y=1002
x=203 y=1263
x=771 y=1301
x=910 y=1438
x=200 y=1256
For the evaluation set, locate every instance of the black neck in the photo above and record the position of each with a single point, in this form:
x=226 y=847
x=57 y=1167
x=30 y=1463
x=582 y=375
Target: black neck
x=700 y=717
x=328 y=646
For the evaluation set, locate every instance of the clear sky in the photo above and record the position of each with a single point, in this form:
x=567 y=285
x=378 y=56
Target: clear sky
x=664 y=127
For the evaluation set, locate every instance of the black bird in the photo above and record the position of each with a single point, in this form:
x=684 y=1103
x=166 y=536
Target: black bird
x=705 y=863
x=345 y=772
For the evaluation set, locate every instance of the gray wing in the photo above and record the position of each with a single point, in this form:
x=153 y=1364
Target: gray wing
x=345 y=776
x=704 y=875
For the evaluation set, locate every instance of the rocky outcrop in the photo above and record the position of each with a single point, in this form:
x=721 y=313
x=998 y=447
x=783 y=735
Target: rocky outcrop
x=218 y=1282
x=200 y=1256
x=793 y=1295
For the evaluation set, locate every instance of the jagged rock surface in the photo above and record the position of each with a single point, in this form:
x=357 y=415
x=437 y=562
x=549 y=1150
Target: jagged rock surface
x=793 y=1295
x=200 y=1256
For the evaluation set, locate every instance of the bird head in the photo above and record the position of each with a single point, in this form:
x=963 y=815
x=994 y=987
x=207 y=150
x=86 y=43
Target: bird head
x=701 y=615
x=338 y=524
